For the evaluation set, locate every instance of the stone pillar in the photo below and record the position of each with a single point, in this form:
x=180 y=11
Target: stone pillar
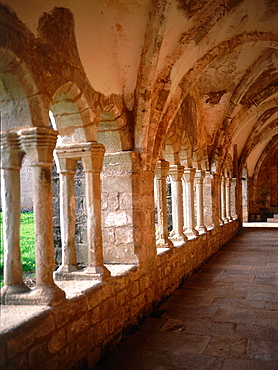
x=121 y=208
x=199 y=178
x=221 y=221
x=176 y=173
x=92 y=160
x=207 y=190
x=215 y=196
x=188 y=177
x=11 y=158
x=233 y=198
x=223 y=199
x=162 y=218
x=228 y=199
x=39 y=143
x=66 y=169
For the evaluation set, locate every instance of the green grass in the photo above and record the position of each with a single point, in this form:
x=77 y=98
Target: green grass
x=27 y=243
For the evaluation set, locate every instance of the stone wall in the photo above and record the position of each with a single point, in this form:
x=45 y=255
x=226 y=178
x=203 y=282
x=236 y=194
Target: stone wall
x=77 y=333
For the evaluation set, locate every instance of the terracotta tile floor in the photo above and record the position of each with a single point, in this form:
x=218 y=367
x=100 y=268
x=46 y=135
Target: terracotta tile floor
x=224 y=317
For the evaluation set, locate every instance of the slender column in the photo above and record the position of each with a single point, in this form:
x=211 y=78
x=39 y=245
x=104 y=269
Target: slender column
x=176 y=172
x=39 y=143
x=66 y=168
x=220 y=201
x=223 y=200
x=92 y=160
x=188 y=176
x=228 y=199
x=11 y=158
x=162 y=218
x=233 y=198
x=215 y=196
x=199 y=178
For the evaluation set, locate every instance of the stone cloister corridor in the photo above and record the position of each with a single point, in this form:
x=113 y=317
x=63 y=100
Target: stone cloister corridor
x=223 y=317
x=143 y=137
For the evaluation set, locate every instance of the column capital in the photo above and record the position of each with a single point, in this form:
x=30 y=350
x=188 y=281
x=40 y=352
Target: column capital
x=92 y=157
x=200 y=175
x=65 y=165
x=162 y=169
x=228 y=181
x=38 y=143
x=11 y=152
x=189 y=174
x=176 y=172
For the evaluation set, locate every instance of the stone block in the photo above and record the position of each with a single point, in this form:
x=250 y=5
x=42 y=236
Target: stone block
x=135 y=288
x=57 y=342
x=19 y=362
x=38 y=354
x=94 y=315
x=124 y=235
x=108 y=235
x=122 y=298
x=77 y=327
x=116 y=219
x=26 y=334
x=113 y=201
x=101 y=331
x=66 y=312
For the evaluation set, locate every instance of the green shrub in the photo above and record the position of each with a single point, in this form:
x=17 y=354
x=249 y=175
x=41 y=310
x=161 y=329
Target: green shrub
x=27 y=243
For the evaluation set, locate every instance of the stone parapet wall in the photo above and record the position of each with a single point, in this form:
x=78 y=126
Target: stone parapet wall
x=77 y=333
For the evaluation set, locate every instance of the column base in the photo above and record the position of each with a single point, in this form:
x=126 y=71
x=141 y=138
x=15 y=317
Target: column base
x=68 y=268
x=178 y=237
x=164 y=243
x=99 y=273
x=48 y=295
x=201 y=229
x=191 y=232
x=9 y=290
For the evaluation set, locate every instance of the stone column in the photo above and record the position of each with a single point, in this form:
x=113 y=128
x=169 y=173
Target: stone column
x=223 y=199
x=215 y=196
x=11 y=158
x=66 y=169
x=92 y=160
x=176 y=172
x=199 y=178
x=220 y=202
x=188 y=177
x=39 y=143
x=233 y=197
x=162 y=218
x=228 y=199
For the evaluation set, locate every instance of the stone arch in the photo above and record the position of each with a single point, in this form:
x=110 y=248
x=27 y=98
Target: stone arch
x=21 y=104
x=73 y=117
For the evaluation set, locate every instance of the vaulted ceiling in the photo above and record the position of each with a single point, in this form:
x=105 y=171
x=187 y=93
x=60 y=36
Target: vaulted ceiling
x=203 y=71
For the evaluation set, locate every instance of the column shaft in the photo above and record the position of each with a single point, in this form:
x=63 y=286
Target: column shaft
x=188 y=176
x=92 y=161
x=228 y=199
x=11 y=158
x=176 y=173
x=223 y=200
x=67 y=219
x=162 y=217
x=39 y=143
x=200 y=227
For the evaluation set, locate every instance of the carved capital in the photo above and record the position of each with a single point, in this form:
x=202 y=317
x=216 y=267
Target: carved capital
x=38 y=143
x=162 y=169
x=189 y=174
x=176 y=172
x=11 y=152
x=199 y=176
